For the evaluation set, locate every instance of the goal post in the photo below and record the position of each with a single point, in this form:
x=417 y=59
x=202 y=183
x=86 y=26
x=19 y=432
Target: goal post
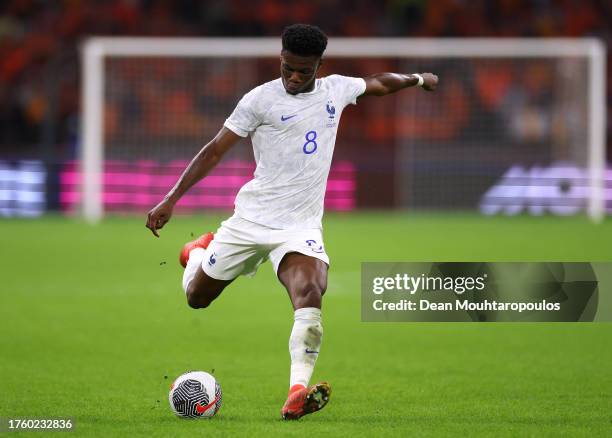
x=97 y=52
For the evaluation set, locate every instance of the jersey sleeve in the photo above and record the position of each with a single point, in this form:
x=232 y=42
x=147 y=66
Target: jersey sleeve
x=348 y=88
x=246 y=116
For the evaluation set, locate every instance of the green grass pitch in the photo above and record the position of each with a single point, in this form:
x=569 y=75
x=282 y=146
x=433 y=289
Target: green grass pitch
x=94 y=326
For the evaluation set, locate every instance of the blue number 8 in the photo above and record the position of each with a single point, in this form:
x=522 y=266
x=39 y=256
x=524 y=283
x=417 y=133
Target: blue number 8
x=311 y=136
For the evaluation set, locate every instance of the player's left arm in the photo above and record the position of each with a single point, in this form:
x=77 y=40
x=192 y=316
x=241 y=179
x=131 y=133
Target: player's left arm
x=381 y=84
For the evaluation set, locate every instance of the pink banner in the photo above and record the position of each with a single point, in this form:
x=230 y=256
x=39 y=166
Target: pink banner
x=138 y=186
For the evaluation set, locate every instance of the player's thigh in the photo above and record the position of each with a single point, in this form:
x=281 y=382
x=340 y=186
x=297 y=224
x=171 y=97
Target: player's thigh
x=302 y=276
x=235 y=250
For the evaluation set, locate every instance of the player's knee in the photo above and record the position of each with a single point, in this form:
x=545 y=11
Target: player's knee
x=196 y=300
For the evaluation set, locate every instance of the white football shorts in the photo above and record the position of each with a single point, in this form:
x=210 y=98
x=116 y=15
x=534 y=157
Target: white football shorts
x=240 y=246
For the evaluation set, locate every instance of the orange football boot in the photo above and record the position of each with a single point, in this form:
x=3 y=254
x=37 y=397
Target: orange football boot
x=305 y=400
x=201 y=242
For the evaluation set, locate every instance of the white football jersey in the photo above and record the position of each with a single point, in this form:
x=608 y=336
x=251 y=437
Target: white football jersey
x=293 y=139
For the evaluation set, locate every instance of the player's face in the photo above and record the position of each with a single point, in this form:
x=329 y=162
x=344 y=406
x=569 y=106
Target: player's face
x=298 y=72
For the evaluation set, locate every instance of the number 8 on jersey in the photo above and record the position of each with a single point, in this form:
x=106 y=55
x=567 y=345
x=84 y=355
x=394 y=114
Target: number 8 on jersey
x=311 y=145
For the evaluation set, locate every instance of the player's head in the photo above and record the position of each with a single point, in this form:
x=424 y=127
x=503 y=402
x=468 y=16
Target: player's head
x=303 y=47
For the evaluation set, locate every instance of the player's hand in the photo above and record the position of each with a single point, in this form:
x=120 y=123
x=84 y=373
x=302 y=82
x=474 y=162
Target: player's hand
x=430 y=81
x=159 y=216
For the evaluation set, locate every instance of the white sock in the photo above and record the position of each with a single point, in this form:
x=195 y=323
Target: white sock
x=195 y=261
x=304 y=344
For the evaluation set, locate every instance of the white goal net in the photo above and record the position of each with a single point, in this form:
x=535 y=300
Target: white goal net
x=516 y=125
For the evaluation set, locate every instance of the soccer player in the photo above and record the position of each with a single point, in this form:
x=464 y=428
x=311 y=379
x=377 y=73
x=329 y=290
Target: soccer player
x=292 y=122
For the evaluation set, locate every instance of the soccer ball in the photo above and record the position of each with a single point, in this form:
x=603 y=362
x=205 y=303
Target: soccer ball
x=195 y=394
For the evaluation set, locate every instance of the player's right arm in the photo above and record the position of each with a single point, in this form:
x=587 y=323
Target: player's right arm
x=202 y=163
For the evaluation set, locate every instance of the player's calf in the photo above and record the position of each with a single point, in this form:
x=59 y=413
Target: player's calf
x=308 y=294
x=305 y=279
x=200 y=289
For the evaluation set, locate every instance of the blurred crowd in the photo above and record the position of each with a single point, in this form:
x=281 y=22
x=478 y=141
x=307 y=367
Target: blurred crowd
x=166 y=105
x=39 y=59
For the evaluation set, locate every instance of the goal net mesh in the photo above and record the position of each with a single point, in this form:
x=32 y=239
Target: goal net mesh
x=451 y=149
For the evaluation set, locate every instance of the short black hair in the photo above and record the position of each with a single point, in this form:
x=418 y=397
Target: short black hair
x=304 y=40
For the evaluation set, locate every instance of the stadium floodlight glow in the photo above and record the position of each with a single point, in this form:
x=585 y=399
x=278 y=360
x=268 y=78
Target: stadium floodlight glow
x=96 y=50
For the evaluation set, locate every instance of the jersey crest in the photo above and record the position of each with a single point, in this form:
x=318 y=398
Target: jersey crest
x=331 y=111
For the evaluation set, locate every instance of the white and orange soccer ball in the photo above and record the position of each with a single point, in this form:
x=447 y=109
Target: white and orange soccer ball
x=195 y=394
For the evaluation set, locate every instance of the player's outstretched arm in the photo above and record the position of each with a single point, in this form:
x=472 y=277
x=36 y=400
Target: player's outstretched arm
x=381 y=84
x=202 y=163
